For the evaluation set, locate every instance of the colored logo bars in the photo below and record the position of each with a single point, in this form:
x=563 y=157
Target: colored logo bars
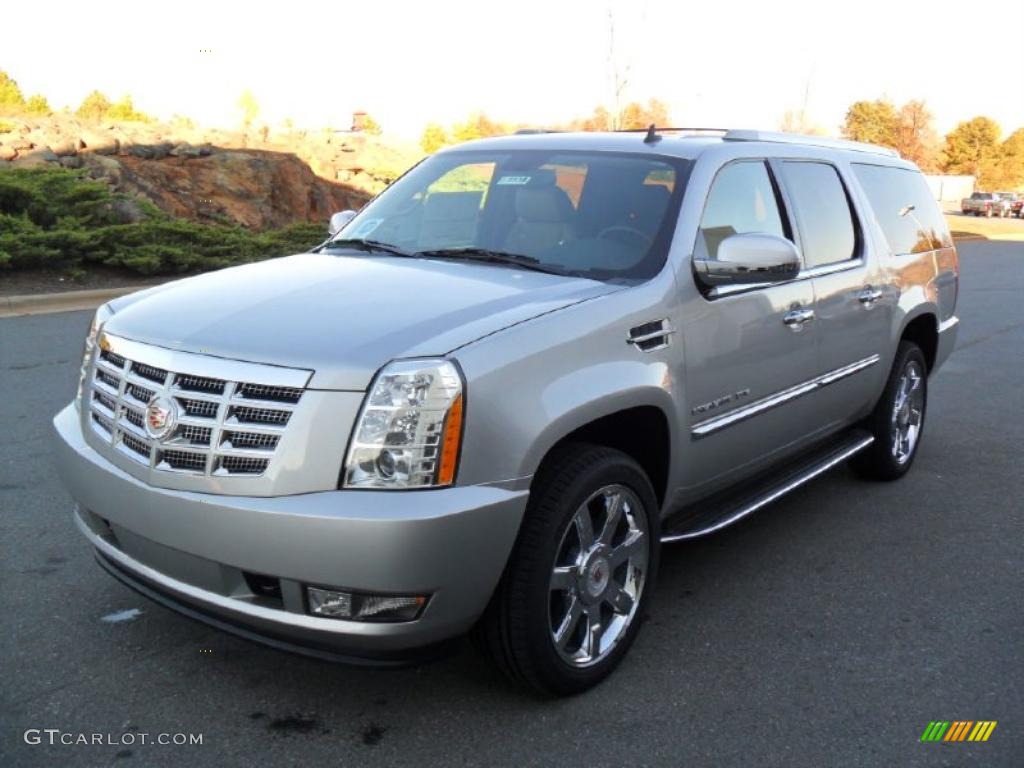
x=958 y=730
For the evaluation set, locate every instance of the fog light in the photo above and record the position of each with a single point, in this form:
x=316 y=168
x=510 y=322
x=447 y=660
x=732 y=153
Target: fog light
x=327 y=602
x=335 y=604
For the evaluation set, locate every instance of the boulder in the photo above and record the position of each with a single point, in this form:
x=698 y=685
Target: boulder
x=144 y=151
x=35 y=158
x=7 y=152
x=102 y=168
x=186 y=150
x=71 y=161
x=100 y=142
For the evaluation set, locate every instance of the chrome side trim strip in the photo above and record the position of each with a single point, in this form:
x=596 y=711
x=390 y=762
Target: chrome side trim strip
x=709 y=426
x=806 y=274
x=945 y=325
x=771 y=496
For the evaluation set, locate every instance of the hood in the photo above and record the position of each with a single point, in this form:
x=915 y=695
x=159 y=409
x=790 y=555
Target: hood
x=342 y=316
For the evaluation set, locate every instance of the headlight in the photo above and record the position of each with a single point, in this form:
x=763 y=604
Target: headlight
x=409 y=428
x=103 y=314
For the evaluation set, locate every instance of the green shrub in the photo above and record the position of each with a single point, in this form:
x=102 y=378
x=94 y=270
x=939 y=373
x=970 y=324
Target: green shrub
x=57 y=219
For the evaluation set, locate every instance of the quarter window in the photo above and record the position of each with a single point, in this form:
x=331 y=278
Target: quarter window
x=905 y=209
x=741 y=200
x=822 y=212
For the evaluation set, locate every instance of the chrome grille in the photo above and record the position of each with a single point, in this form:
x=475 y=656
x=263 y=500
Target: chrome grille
x=149 y=372
x=247 y=415
x=181 y=460
x=224 y=427
x=205 y=409
x=201 y=384
x=261 y=392
x=241 y=465
x=256 y=440
x=141 y=394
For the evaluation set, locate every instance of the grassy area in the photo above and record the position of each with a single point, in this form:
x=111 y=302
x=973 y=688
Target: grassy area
x=60 y=220
x=978 y=226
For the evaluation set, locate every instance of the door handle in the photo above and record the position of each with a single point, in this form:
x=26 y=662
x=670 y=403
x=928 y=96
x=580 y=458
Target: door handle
x=797 y=318
x=869 y=296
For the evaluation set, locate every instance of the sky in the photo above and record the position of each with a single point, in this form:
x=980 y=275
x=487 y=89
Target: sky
x=716 y=64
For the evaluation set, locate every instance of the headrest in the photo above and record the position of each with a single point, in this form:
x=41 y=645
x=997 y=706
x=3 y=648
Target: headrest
x=542 y=203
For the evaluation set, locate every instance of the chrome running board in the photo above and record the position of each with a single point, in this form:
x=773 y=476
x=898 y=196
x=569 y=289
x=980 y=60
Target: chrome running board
x=724 y=509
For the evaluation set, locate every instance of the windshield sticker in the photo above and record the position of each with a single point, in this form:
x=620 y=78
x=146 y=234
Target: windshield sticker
x=366 y=228
x=514 y=180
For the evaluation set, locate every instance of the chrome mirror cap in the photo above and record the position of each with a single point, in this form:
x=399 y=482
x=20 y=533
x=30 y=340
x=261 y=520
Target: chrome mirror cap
x=338 y=221
x=750 y=258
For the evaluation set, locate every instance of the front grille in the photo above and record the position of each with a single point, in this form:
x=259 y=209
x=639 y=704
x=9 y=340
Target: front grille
x=204 y=409
x=130 y=441
x=223 y=428
x=195 y=435
x=113 y=358
x=250 y=440
x=200 y=384
x=149 y=372
x=134 y=417
x=242 y=465
x=245 y=414
x=138 y=393
x=260 y=392
x=181 y=460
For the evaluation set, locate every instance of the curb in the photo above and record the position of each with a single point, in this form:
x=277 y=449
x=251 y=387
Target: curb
x=66 y=301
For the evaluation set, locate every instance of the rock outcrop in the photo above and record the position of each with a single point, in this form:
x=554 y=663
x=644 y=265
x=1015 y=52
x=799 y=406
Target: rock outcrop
x=259 y=179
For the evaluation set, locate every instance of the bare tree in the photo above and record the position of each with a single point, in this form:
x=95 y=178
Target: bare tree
x=618 y=74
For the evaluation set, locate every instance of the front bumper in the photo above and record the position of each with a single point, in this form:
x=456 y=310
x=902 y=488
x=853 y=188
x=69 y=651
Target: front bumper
x=193 y=551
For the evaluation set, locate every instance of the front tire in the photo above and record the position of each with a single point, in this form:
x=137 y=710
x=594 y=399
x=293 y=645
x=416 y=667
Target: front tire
x=570 y=603
x=898 y=419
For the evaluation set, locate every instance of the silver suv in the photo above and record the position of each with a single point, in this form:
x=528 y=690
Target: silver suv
x=491 y=396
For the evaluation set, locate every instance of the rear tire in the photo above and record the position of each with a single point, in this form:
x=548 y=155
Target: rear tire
x=898 y=419
x=570 y=602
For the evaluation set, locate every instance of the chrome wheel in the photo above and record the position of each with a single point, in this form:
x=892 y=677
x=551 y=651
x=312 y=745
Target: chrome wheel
x=907 y=412
x=598 y=575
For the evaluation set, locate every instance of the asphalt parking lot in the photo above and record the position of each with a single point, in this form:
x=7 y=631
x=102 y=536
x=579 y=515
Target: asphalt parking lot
x=827 y=630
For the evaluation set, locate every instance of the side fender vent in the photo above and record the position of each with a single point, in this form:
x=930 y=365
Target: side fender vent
x=651 y=336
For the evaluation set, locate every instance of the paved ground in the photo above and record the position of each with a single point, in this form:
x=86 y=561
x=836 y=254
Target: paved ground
x=827 y=630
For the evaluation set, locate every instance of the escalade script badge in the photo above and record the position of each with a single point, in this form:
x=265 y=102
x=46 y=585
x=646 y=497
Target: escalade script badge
x=161 y=416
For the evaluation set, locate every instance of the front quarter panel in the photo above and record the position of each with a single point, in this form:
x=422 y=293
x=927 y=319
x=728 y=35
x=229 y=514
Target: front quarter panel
x=531 y=385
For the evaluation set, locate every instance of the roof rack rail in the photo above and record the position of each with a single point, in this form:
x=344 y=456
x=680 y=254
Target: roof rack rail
x=532 y=131
x=658 y=129
x=778 y=137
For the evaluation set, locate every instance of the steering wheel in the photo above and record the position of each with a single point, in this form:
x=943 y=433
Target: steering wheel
x=621 y=229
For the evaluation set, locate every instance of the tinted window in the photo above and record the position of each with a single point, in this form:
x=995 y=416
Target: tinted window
x=904 y=207
x=822 y=212
x=741 y=200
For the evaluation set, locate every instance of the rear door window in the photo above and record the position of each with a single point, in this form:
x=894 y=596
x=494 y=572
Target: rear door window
x=741 y=200
x=904 y=207
x=822 y=210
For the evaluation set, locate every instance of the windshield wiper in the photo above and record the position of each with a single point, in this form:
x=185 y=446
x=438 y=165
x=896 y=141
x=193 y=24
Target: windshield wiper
x=362 y=244
x=492 y=257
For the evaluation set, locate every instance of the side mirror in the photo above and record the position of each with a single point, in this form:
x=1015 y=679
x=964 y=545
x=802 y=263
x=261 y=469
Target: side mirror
x=339 y=220
x=748 y=259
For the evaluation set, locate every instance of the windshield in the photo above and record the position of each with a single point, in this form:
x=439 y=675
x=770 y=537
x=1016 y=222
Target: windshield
x=598 y=214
